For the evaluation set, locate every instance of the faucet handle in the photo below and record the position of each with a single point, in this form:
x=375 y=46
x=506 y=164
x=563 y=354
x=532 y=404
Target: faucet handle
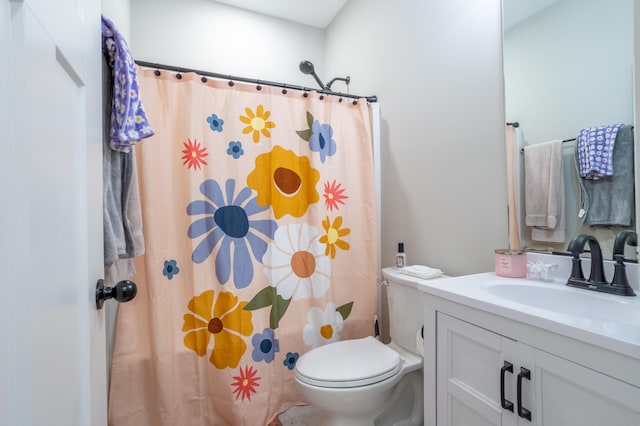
x=620 y=281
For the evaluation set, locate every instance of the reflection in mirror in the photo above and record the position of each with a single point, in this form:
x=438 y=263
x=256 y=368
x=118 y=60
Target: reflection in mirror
x=568 y=65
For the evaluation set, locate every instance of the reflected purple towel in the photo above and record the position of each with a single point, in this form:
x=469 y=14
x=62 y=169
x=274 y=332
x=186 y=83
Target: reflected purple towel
x=128 y=120
x=595 y=151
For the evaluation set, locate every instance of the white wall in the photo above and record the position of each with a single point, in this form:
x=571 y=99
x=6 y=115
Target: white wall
x=210 y=36
x=437 y=70
x=119 y=11
x=443 y=161
x=9 y=163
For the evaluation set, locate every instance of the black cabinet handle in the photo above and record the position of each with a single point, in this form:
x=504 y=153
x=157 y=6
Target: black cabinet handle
x=523 y=412
x=506 y=404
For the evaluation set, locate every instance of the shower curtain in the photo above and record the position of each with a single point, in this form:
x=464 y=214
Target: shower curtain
x=259 y=217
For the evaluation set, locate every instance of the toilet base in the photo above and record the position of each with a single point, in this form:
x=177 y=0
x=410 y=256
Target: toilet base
x=346 y=407
x=406 y=407
x=346 y=421
x=391 y=404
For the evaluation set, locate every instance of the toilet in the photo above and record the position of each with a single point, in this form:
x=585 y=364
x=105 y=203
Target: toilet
x=363 y=382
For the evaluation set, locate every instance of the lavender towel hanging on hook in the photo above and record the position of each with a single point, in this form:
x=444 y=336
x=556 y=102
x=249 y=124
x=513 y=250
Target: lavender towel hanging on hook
x=128 y=120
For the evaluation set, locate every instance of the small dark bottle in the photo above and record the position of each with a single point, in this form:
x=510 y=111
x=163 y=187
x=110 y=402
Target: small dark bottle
x=401 y=257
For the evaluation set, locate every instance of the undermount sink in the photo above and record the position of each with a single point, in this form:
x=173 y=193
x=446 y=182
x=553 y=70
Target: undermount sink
x=564 y=300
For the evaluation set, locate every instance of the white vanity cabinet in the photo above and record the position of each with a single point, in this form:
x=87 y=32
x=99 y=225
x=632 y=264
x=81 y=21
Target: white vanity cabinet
x=480 y=373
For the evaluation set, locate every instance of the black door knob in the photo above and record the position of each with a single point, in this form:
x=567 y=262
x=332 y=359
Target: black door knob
x=121 y=292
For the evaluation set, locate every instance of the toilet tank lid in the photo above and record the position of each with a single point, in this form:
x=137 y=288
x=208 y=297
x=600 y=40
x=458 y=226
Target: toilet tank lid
x=348 y=361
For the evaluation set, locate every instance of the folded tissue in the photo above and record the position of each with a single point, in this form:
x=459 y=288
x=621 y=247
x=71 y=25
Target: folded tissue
x=541 y=271
x=421 y=271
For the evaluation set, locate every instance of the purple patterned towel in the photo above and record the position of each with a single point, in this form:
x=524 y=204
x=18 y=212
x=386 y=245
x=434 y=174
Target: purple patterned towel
x=128 y=120
x=595 y=151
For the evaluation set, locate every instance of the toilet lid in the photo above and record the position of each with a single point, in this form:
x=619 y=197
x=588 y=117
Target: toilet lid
x=348 y=363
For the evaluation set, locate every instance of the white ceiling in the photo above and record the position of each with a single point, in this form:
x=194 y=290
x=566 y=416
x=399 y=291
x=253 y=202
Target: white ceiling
x=316 y=13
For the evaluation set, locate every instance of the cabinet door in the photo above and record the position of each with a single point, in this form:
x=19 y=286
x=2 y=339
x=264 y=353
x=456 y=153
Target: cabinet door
x=469 y=359
x=569 y=394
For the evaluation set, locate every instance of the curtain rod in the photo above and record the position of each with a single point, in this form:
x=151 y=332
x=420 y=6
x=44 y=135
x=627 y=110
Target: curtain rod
x=252 y=80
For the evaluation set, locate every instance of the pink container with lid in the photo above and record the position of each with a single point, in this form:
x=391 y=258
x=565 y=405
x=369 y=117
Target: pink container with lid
x=511 y=263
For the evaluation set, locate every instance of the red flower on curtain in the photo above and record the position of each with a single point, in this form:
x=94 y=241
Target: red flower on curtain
x=246 y=383
x=193 y=154
x=333 y=195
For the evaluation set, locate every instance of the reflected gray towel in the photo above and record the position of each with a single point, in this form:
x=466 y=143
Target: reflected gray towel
x=610 y=201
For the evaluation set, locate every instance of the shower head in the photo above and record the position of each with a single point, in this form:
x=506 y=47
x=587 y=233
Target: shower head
x=307 y=68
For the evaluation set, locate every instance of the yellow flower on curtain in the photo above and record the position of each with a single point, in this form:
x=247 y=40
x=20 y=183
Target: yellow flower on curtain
x=332 y=237
x=257 y=123
x=222 y=318
x=284 y=181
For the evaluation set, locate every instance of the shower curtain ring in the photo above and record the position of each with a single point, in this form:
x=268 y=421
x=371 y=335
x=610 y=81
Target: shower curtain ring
x=258 y=87
x=284 y=88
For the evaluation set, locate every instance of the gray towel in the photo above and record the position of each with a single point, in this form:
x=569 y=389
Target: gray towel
x=121 y=205
x=610 y=201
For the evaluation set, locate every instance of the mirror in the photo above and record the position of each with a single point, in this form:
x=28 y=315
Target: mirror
x=568 y=65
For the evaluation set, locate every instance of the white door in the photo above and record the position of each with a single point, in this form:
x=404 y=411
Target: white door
x=52 y=360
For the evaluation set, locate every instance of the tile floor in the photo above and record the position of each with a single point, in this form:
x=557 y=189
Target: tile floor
x=304 y=415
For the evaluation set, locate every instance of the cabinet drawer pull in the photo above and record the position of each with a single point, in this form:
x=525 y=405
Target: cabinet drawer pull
x=506 y=404
x=523 y=412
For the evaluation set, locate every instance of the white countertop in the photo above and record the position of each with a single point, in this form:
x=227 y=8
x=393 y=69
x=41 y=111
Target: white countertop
x=605 y=320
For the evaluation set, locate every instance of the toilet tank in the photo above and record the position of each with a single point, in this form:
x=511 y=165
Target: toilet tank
x=406 y=308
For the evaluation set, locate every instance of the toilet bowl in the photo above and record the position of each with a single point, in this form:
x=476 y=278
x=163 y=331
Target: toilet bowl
x=363 y=382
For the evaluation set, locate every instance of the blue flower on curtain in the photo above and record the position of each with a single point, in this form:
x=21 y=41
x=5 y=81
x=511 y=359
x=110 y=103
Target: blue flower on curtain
x=291 y=359
x=265 y=346
x=321 y=141
x=215 y=123
x=235 y=149
x=228 y=223
x=319 y=137
x=170 y=268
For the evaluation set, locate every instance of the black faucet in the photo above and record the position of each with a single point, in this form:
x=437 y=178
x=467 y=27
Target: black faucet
x=620 y=281
x=596 y=277
x=597 y=281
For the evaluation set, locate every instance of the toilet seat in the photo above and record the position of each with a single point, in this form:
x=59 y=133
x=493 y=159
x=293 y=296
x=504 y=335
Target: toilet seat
x=349 y=363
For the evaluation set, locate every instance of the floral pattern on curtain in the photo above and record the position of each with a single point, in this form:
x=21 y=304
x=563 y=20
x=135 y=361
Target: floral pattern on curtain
x=259 y=215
